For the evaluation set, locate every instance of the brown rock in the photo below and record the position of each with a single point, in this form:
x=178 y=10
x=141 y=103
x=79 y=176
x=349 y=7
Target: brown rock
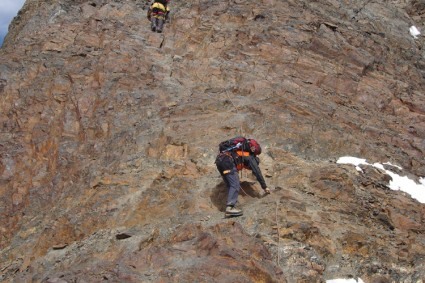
x=107 y=127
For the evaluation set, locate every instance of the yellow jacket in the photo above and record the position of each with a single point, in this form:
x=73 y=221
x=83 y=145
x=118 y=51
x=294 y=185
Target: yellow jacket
x=160 y=6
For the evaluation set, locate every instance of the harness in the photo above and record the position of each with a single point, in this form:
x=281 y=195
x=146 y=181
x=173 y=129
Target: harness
x=241 y=165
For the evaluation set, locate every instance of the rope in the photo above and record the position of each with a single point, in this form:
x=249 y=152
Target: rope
x=240 y=187
x=278 y=235
x=236 y=108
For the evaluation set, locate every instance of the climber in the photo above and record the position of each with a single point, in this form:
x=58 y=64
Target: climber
x=158 y=13
x=234 y=155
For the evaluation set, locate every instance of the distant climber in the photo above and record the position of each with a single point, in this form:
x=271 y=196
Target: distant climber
x=158 y=14
x=234 y=155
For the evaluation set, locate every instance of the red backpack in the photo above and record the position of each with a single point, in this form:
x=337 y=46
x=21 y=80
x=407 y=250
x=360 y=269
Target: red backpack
x=247 y=145
x=254 y=146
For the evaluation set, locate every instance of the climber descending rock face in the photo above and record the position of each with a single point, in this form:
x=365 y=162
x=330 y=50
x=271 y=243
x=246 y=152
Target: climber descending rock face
x=158 y=14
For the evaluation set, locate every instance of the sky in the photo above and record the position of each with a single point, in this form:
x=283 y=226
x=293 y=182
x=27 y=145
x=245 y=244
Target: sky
x=8 y=10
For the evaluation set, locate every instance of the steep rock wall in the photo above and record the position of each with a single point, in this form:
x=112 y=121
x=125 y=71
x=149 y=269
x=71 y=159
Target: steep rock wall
x=109 y=134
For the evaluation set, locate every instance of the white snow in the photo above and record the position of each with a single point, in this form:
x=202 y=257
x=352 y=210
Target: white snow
x=345 y=281
x=352 y=160
x=402 y=183
x=414 y=32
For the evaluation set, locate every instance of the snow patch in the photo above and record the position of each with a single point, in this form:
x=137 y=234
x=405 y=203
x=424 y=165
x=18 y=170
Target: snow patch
x=398 y=183
x=414 y=32
x=345 y=281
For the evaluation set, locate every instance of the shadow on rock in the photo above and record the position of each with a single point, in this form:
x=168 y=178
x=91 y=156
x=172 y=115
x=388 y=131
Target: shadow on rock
x=249 y=189
x=219 y=194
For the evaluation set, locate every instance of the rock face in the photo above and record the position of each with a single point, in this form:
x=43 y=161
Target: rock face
x=109 y=134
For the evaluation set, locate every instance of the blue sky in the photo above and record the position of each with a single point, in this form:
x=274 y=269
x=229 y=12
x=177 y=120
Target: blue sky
x=8 y=10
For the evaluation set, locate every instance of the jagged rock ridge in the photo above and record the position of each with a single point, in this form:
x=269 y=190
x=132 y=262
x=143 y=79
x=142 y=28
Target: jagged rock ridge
x=109 y=134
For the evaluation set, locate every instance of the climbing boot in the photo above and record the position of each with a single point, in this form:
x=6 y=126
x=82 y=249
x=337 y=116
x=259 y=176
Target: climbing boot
x=232 y=211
